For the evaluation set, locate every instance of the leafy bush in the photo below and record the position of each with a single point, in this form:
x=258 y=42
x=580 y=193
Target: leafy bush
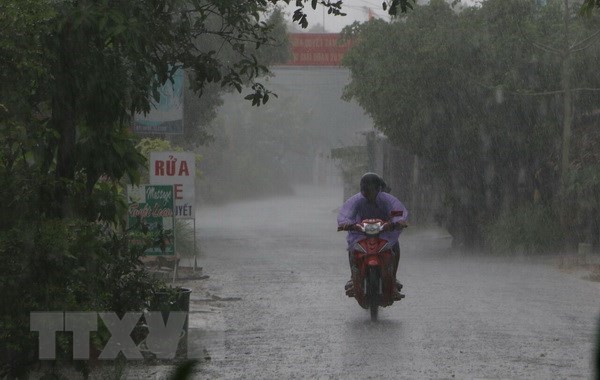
x=64 y=265
x=530 y=229
x=583 y=193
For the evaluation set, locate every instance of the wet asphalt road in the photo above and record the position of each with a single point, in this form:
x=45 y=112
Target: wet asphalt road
x=278 y=268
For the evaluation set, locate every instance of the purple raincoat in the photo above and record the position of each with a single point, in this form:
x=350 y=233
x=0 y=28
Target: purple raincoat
x=357 y=208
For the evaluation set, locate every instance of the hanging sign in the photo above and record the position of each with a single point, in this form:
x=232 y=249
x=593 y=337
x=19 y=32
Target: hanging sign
x=166 y=115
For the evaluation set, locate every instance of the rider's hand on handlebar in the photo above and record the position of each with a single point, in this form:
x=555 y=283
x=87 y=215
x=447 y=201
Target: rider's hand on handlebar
x=387 y=227
x=394 y=226
x=348 y=227
x=401 y=225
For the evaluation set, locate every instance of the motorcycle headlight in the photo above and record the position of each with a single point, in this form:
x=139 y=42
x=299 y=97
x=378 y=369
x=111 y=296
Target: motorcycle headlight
x=372 y=229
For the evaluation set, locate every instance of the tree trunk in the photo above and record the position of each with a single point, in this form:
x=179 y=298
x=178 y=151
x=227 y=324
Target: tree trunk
x=64 y=120
x=567 y=104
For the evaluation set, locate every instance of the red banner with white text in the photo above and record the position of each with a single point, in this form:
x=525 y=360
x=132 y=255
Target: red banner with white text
x=317 y=49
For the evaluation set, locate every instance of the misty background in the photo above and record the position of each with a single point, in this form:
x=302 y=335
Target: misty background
x=264 y=151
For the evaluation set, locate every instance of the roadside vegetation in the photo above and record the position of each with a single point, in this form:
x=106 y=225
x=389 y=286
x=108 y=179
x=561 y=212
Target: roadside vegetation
x=500 y=103
x=73 y=74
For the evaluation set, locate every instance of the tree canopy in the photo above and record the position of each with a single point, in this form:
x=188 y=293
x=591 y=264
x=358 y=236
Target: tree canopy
x=478 y=94
x=73 y=73
x=78 y=70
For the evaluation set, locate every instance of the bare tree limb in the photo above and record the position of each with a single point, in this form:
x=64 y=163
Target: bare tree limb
x=545 y=48
x=576 y=46
x=553 y=92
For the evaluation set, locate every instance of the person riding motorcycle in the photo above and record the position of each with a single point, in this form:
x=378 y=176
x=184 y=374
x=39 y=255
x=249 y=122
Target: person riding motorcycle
x=372 y=202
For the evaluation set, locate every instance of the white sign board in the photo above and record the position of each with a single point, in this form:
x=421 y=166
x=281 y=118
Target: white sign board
x=177 y=169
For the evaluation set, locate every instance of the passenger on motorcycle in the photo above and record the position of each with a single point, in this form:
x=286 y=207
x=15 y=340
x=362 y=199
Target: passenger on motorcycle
x=372 y=202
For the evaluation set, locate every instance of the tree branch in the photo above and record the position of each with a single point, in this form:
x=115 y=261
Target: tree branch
x=553 y=92
x=540 y=46
x=575 y=46
x=545 y=48
x=524 y=92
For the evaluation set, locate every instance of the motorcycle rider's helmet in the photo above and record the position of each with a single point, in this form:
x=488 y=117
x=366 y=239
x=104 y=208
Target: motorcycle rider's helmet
x=371 y=182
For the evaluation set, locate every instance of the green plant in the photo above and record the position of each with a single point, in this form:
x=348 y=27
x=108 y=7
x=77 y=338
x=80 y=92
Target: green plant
x=64 y=265
x=184 y=370
x=184 y=238
x=529 y=229
x=170 y=299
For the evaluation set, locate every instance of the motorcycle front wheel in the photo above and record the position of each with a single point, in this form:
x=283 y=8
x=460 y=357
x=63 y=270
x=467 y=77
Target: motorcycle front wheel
x=373 y=292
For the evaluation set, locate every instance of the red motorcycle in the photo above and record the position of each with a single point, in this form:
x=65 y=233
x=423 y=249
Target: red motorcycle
x=373 y=269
